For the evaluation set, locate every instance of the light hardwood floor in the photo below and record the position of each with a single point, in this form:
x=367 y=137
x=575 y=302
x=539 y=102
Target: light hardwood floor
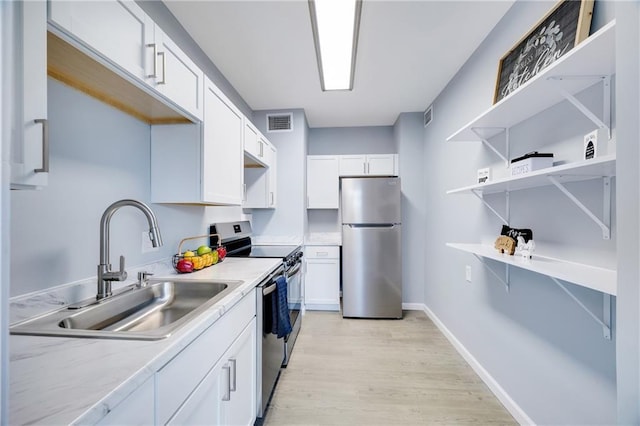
x=379 y=372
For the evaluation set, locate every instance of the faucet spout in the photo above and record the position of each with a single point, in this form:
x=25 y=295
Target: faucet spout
x=105 y=274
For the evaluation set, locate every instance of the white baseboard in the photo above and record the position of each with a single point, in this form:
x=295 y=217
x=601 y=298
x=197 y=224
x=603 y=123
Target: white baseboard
x=518 y=413
x=413 y=306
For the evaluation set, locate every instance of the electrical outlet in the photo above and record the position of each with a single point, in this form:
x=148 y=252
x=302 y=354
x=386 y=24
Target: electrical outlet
x=147 y=247
x=467 y=273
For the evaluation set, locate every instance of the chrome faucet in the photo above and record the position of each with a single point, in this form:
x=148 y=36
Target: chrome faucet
x=105 y=274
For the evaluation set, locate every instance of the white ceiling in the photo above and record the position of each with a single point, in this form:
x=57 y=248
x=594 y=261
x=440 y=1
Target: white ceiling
x=407 y=52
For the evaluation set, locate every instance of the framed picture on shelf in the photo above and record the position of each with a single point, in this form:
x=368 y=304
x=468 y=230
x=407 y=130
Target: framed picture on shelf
x=561 y=29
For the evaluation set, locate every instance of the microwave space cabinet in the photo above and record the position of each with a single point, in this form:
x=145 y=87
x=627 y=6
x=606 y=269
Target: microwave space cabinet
x=200 y=163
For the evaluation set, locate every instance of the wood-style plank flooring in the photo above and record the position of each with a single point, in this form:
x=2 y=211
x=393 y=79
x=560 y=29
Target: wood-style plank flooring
x=379 y=372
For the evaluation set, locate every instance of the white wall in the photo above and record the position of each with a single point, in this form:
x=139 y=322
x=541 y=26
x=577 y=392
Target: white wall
x=351 y=140
x=628 y=179
x=288 y=219
x=98 y=155
x=545 y=352
x=408 y=134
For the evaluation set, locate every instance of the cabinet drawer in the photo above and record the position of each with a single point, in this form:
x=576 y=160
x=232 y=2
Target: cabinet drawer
x=176 y=380
x=322 y=252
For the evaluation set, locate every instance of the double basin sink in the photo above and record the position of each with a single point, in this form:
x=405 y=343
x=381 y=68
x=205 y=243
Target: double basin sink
x=152 y=312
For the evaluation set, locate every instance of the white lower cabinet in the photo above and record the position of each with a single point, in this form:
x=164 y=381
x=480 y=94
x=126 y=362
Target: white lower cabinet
x=226 y=396
x=213 y=380
x=322 y=278
x=137 y=409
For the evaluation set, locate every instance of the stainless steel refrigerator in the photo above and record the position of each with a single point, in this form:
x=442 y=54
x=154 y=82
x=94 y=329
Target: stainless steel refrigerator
x=371 y=259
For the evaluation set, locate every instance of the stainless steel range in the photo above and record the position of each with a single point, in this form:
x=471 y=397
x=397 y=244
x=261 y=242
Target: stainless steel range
x=236 y=237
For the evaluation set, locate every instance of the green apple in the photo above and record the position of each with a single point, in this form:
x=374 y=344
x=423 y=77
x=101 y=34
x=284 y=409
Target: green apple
x=203 y=250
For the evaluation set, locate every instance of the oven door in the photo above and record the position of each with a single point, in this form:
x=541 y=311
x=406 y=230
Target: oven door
x=270 y=348
x=294 y=295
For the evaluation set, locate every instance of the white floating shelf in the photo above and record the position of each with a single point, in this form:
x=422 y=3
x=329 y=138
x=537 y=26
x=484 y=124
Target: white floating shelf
x=573 y=172
x=600 y=279
x=593 y=58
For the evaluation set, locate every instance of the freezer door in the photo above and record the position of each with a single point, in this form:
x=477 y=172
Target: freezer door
x=371 y=271
x=370 y=200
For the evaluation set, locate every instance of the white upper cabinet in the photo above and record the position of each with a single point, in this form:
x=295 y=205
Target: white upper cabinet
x=29 y=144
x=323 y=182
x=119 y=30
x=382 y=164
x=369 y=165
x=255 y=145
x=199 y=163
x=177 y=77
x=261 y=186
x=222 y=156
x=161 y=84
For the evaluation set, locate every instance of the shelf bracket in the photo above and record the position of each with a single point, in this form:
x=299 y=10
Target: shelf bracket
x=605 y=122
x=476 y=131
x=505 y=281
x=478 y=193
x=603 y=224
x=605 y=322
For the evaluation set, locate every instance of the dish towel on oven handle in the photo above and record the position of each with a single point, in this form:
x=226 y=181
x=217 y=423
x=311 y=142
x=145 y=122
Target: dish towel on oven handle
x=280 y=304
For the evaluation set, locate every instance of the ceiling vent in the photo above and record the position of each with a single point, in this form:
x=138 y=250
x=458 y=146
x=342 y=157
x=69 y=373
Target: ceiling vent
x=428 y=116
x=279 y=122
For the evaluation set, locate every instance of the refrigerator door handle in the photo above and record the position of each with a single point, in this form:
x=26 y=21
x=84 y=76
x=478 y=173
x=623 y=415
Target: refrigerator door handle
x=372 y=225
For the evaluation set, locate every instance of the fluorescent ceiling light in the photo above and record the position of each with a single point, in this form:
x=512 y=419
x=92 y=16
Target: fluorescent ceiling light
x=335 y=31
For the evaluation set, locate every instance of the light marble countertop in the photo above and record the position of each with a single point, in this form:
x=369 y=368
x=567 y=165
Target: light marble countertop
x=59 y=380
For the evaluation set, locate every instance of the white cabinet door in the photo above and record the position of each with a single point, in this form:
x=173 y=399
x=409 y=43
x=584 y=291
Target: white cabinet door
x=117 y=30
x=382 y=165
x=29 y=144
x=273 y=176
x=227 y=394
x=322 y=278
x=137 y=409
x=222 y=158
x=353 y=165
x=240 y=406
x=261 y=186
x=178 y=78
x=253 y=146
x=323 y=182
x=204 y=404
x=369 y=165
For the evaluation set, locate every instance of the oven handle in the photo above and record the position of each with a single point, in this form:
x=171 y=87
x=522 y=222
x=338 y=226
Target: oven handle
x=269 y=290
x=295 y=270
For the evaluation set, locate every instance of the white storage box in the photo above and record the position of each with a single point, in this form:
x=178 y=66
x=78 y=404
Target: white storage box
x=531 y=162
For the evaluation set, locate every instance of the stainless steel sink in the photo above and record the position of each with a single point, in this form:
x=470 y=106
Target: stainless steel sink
x=148 y=313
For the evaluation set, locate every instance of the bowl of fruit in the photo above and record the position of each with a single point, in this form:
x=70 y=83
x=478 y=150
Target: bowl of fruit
x=187 y=261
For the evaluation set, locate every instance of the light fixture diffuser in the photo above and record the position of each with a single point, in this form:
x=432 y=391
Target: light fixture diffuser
x=335 y=26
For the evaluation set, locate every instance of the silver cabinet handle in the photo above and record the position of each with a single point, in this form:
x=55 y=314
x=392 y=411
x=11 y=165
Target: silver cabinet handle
x=45 y=145
x=364 y=168
x=272 y=198
x=244 y=192
x=164 y=68
x=227 y=394
x=155 y=62
x=368 y=168
x=261 y=149
x=232 y=375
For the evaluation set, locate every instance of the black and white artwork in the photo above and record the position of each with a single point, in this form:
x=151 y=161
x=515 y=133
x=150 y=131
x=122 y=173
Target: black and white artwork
x=554 y=36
